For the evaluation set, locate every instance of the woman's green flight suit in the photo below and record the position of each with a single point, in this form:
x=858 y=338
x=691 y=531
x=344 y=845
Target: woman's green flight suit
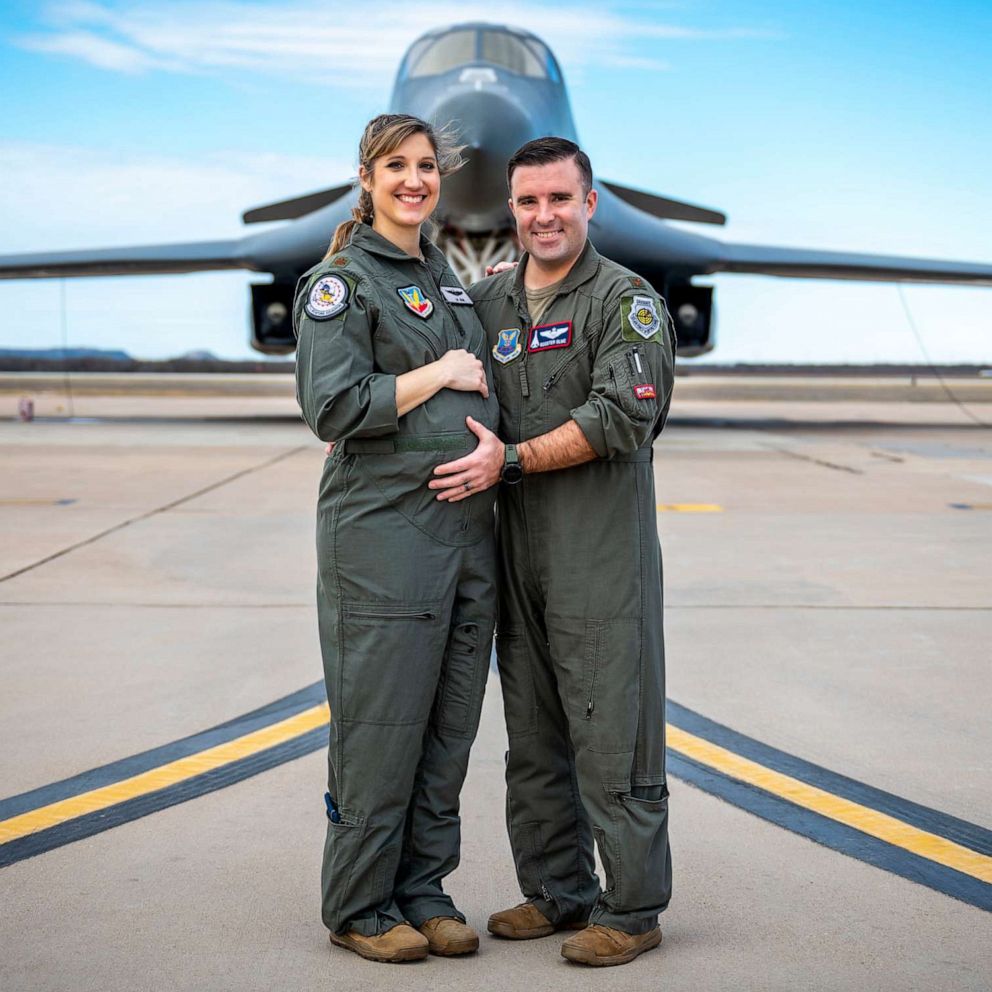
x=405 y=587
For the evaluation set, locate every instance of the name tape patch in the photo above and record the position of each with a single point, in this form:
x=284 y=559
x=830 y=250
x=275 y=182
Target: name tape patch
x=327 y=299
x=645 y=391
x=415 y=301
x=549 y=336
x=455 y=294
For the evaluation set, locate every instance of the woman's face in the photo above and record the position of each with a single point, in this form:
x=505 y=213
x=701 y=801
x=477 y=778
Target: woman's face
x=405 y=184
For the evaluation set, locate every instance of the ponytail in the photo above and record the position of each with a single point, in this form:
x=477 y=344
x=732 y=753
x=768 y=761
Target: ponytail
x=362 y=214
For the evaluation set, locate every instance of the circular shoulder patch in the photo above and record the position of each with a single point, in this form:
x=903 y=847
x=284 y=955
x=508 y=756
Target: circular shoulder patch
x=328 y=298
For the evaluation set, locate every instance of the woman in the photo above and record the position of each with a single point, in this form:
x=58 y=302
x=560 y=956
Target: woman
x=391 y=361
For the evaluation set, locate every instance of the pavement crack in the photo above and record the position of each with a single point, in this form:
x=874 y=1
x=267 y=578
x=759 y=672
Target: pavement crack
x=814 y=461
x=153 y=512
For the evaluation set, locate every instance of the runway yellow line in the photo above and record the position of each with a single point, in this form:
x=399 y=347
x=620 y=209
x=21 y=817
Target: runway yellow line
x=163 y=776
x=868 y=821
x=689 y=508
x=862 y=818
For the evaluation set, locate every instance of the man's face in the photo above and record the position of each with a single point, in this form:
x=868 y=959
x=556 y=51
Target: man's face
x=551 y=211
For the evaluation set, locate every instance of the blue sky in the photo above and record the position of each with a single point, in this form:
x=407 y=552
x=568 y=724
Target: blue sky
x=857 y=126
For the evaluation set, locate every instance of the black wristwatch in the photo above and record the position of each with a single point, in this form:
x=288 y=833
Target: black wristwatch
x=512 y=470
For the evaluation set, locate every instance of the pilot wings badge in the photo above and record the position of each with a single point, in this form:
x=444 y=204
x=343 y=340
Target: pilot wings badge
x=508 y=346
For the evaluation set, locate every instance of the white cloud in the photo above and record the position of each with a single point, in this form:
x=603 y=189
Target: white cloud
x=55 y=196
x=347 y=45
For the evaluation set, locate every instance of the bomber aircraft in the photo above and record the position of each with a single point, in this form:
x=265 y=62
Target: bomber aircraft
x=500 y=86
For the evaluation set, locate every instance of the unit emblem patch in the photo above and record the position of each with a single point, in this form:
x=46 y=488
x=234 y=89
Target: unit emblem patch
x=645 y=392
x=327 y=299
x=507 y=345
x=415 y=300
x=455 y=294
x=549 y=336
x=643 y=316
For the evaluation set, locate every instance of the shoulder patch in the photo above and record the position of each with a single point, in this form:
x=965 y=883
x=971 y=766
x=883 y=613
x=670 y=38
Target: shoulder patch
x=328 y=297
x=639 y=318
x=636 y=281
x=340 y=260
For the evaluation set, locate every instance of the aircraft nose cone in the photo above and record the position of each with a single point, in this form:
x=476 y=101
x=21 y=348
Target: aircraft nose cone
x=492 y=127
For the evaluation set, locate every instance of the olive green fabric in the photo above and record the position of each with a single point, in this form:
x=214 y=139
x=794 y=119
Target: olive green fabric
x=579 y=634
x=405 y=586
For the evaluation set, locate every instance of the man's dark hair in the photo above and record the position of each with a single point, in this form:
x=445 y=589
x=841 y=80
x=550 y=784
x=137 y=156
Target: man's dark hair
x=544 y=151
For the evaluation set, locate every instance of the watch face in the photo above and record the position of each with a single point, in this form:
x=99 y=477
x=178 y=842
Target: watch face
x=512 y=473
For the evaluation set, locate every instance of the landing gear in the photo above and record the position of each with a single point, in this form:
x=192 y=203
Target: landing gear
x=469 y=254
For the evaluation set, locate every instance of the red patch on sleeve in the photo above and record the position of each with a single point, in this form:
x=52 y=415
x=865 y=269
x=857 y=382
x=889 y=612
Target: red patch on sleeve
x=645 y=392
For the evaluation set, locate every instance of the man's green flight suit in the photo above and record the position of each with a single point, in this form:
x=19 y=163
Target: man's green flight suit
x=405 y=588
x=579 y=631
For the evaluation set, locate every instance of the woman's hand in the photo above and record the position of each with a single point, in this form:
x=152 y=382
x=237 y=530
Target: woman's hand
x=495 y=270
x=463 y=371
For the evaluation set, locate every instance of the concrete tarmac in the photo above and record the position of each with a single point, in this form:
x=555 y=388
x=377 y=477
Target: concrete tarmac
x=828 y=583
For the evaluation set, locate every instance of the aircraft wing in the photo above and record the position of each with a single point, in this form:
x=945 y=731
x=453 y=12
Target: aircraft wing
x=813 y=264
x=198 y=256
x=298 y=206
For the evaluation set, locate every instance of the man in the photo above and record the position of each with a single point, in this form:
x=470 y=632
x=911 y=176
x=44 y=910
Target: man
x=583 y=364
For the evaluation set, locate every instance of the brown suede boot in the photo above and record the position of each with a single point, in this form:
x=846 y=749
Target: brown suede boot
x=402 y=943
x=449 y=937
x=525 y=922
x=602 y=946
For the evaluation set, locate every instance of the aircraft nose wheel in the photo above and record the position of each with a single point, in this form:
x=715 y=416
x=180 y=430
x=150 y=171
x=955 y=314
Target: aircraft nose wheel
x=469 y=255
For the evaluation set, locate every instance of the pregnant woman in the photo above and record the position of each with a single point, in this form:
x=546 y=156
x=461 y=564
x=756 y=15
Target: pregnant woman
x=391 y=364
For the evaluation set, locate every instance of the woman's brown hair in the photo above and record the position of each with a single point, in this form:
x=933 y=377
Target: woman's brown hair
x=384 y=134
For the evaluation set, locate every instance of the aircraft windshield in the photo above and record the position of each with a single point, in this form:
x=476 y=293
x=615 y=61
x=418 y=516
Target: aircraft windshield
x=525 y=58
x=522 y=56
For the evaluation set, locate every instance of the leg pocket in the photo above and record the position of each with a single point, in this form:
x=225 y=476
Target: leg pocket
x=642 y=830
x=609 y=695
x=390 y=661
x=341 y=871
x=516 y=682
x=463 y=681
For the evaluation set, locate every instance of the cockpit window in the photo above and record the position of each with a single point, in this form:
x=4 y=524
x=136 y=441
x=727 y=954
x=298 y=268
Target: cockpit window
x=524 y=57
x=443 y=53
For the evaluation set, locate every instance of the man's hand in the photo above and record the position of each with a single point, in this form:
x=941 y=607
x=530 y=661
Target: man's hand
x=495 y=270
x=473 y=473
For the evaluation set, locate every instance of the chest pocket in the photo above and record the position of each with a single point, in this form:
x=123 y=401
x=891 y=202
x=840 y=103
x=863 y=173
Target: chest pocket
x=565 y=377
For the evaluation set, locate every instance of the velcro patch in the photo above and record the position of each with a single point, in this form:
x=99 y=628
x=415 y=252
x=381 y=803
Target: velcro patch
x=507 y=345
x=328 y=298
x=415 y=301
x=455 y=294
x=550 y=336
x=645 y=391
x=640 y=318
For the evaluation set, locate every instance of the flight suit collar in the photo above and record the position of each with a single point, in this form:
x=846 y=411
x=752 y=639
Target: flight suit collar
x=364 y=237
x=586 y=266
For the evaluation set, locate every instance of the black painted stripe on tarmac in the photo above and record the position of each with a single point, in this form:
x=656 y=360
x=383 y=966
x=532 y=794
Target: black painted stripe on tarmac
x=962 y=832
x=766 y=805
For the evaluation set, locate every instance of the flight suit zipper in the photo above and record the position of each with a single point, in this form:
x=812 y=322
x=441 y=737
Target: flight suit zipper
x=558 y=372
x=441 y=299
x=370 y=614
